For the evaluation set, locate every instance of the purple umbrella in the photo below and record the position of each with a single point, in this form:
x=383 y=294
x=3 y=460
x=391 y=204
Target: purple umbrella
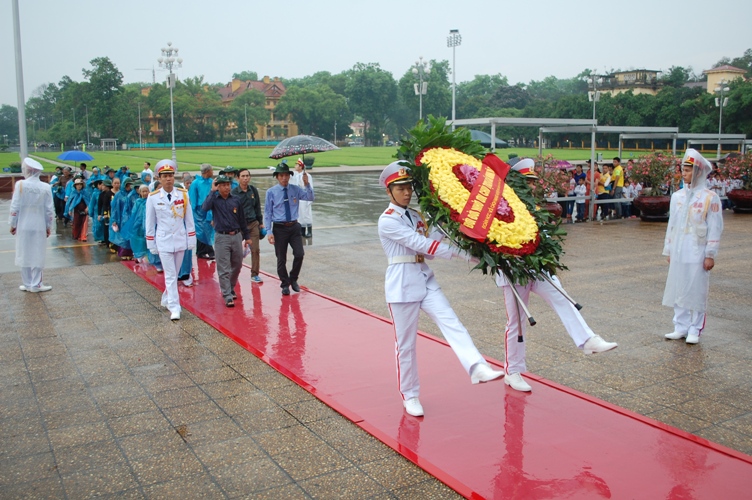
x=301 y=145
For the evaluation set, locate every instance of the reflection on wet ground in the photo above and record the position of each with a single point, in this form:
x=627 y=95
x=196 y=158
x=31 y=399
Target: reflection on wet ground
x=346 y=210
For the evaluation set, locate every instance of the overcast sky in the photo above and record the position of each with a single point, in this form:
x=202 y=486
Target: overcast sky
x=523 y=40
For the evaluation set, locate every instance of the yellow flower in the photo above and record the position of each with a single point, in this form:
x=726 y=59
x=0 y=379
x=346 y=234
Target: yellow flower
x=450 y=190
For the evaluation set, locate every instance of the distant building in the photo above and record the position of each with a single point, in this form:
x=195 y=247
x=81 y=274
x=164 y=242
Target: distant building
x=720 y=74
x=273 y=89
x=279 y=127
x=639 y=81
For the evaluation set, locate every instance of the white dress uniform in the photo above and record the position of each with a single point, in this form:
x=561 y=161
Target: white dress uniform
x=170 y=232
x=410 y=286
x=574 y=323
x=32 y=214
x=693 y=234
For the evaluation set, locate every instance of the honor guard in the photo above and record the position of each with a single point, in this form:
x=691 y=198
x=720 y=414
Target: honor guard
x=169 y=231
x=410 y=286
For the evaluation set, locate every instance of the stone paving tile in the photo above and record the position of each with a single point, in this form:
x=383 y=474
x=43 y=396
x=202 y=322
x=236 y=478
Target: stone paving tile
x=109 y=479
x=166 y=467
x=345 y=483
x=249 y=477
x=311 y=461
x=394 y=472
x=188 y=486
x=232 y=451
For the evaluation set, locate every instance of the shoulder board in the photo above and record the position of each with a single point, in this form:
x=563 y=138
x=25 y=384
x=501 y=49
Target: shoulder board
x=182 y=190
x=153 y=192
x=389 y=211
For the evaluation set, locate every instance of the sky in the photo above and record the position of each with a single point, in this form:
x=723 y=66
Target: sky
x=523 y=40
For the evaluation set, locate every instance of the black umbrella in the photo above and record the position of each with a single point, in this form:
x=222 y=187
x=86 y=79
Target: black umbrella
x=301 y=145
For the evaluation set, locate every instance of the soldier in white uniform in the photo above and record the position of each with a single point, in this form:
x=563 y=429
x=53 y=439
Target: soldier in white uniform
x=410 y=286
x=32 y=214
x=583 y=337
x=692 y=239
x=169 y=231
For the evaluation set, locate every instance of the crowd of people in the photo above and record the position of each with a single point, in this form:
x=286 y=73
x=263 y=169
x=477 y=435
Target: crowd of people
x=111 y=206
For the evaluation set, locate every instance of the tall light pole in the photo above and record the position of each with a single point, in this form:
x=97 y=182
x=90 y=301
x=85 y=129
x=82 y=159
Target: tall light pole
x=140 y=141
x=22 y=140
x=168 y=61
x=75 y=137
x=594 y=96
x=453 y=41
x=88 y=138
x=720 y=102
x=245 y=112
x=420 y=69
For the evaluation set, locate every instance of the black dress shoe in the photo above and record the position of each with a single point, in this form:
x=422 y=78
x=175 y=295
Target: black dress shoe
x=285 y=290
x=295 y=287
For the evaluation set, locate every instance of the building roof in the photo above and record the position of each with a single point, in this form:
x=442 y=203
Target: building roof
x=273 y=88
x=725 y=69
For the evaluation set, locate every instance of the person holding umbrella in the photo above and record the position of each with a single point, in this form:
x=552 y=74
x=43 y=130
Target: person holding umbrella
x=281 y=212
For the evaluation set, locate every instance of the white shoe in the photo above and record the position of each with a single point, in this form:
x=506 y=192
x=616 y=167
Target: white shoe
x=693 y=339
x=675 y=335
x=413 y=407
x=597 y=344
x=22 y=288
x=40 y=288
x=516 y=382
x=175 y=316
x=483 y=373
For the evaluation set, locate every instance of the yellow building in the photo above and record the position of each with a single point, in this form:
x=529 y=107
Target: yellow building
x=723 y=74
x=279 y=127
x=639 y=81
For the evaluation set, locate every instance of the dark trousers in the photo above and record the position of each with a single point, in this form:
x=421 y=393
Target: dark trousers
x=59 y=204
x=229 y=261
x=284 y=236
x=204 y=249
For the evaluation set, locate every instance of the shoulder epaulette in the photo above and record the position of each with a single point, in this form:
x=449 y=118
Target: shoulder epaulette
x=389 y=211
x=154 y=192
x=182 y=189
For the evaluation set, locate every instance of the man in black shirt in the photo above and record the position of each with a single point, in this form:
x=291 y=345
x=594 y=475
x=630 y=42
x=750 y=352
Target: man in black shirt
x=229 y=224
x=249 y=196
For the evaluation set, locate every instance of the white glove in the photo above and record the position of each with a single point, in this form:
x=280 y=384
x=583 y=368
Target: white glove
x=154 y=251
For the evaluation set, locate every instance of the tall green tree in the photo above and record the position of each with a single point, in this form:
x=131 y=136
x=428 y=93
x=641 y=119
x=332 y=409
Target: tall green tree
x=438 y=98
x=8 y=124
x=372 y=92
x=101 y=95
x=315 y=110
x=245 y=76
x=249 y=108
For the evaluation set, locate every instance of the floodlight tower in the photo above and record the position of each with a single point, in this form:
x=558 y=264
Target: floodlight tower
x=721 y=102
x=421 y=69
x=453 y=41
x=168 y=61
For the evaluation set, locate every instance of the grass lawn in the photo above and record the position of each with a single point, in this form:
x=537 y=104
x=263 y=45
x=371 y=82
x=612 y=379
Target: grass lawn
x=190 y=159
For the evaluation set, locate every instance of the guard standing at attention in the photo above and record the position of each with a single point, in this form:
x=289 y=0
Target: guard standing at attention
x=281 y=212
x=169 y=231
x=410 y=286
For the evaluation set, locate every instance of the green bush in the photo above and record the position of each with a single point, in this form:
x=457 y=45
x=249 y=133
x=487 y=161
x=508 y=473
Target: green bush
x=15 y=167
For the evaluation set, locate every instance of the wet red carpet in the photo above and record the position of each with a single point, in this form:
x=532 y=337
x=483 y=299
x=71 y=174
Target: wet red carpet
x=484 y=441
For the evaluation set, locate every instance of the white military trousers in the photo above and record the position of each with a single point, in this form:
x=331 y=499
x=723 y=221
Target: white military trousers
x=171 y=262
x=405 y=319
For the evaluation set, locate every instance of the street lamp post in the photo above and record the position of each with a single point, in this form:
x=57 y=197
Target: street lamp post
x=453 y=41
x=75 y=136
x=140 y=141
x=88 y=138
x=594 y=96
x=720 y=102
x=168 y=61
x=245 y=112
x=421 y=69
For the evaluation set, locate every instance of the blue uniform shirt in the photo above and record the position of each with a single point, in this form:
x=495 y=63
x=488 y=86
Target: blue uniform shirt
x=274 y=208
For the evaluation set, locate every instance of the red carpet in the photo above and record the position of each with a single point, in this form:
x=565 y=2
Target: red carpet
x=484 y=441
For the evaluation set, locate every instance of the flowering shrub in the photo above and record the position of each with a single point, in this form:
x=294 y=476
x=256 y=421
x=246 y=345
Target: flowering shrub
x=551 y=177
x=655 y=171
x=738 y=168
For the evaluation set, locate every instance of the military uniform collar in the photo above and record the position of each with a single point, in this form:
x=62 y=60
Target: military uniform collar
x=397 y=209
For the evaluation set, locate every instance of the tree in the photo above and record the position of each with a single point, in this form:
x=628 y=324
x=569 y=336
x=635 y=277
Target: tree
x=8 y=124
x=315 y=110
x=101 y=95
x=476 y=94
x=676 y=76
x=372 y=93
x=245 y=76
x=249 y=104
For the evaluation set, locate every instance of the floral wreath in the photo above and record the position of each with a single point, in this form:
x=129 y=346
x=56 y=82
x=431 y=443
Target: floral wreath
x=480 y=204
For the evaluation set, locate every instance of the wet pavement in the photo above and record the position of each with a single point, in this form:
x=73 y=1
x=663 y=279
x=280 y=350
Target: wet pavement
x=88 y=406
